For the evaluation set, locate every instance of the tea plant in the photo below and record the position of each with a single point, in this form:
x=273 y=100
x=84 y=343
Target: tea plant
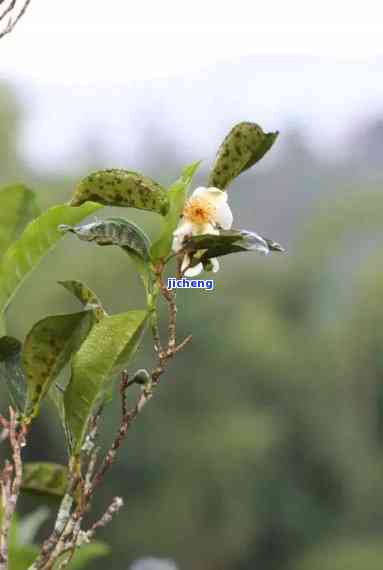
x=99 y=347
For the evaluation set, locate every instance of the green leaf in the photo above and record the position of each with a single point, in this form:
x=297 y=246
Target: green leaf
x=110 y=345
x=11 y=370
x=117 y=187
x=56 y=396
x=114 y=231
x=48 y=347
x=177 y=195
x=86 y=296
x=45 y=478
x=204 y=247
x=21 y=557
x=245 y=145
x=3 y=326
x=17 y=208
x=87 y=553
x=30 y=524
x=36 y=241
x=22 y=552
x=120 y=232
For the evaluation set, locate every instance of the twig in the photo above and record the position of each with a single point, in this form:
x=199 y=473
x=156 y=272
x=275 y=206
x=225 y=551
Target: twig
x=84 y=537
x=8 y=9
x=10 y=480
x=183 y=344
x=106 y=518
x=67 y=535
x=12 y=22
x=62 y=520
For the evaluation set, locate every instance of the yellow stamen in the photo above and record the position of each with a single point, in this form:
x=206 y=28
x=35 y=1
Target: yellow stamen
x=199 y=211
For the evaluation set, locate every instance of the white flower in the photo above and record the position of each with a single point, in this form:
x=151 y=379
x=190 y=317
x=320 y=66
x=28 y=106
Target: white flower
x=204 y=212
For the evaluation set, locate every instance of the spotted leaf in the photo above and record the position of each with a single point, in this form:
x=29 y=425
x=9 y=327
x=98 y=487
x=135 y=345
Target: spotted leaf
x=118 y=187
x=48 y=347
x=245 y=145
x=86 y=296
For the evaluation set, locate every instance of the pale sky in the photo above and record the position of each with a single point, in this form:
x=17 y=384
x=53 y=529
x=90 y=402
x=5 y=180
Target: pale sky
x=86 y=68
x=85 y=40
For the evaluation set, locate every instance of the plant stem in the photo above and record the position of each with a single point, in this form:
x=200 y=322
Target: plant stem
x=10 y=481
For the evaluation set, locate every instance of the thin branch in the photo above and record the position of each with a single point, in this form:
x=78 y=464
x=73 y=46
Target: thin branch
x=67 y=535
x=8 y=9
x=12 y=22
x=62 y=520
x=10 y=480
x=106 y=518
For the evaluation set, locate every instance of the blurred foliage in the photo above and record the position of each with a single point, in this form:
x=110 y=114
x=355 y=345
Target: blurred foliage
x=263 y=447
x=23 y=548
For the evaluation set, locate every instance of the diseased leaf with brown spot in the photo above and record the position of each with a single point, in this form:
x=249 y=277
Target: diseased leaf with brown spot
x=86 y=296
x=118 y=187
x=243 y=147
x=45 y=478
x=11 y=370
x=48 y=347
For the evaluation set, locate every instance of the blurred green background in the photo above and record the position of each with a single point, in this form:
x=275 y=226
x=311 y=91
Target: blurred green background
x=263 y=446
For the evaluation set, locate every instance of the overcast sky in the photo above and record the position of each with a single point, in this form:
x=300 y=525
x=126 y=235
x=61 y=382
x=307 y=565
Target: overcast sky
x=99 y=66
x=90 y=39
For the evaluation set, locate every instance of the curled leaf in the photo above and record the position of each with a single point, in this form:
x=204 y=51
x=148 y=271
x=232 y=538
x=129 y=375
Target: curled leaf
x=118 y=187
x=204 y=247
x=243 y=147
x=113 y=231
x=86 y=296
x=45 y=478
x=48 y=347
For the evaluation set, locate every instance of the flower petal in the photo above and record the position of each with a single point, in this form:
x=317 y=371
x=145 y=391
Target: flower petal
x=185 y=262
x=224 y=216
x=185 y=228
x=215 y=264
x=196 y=270
x=214 y=195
